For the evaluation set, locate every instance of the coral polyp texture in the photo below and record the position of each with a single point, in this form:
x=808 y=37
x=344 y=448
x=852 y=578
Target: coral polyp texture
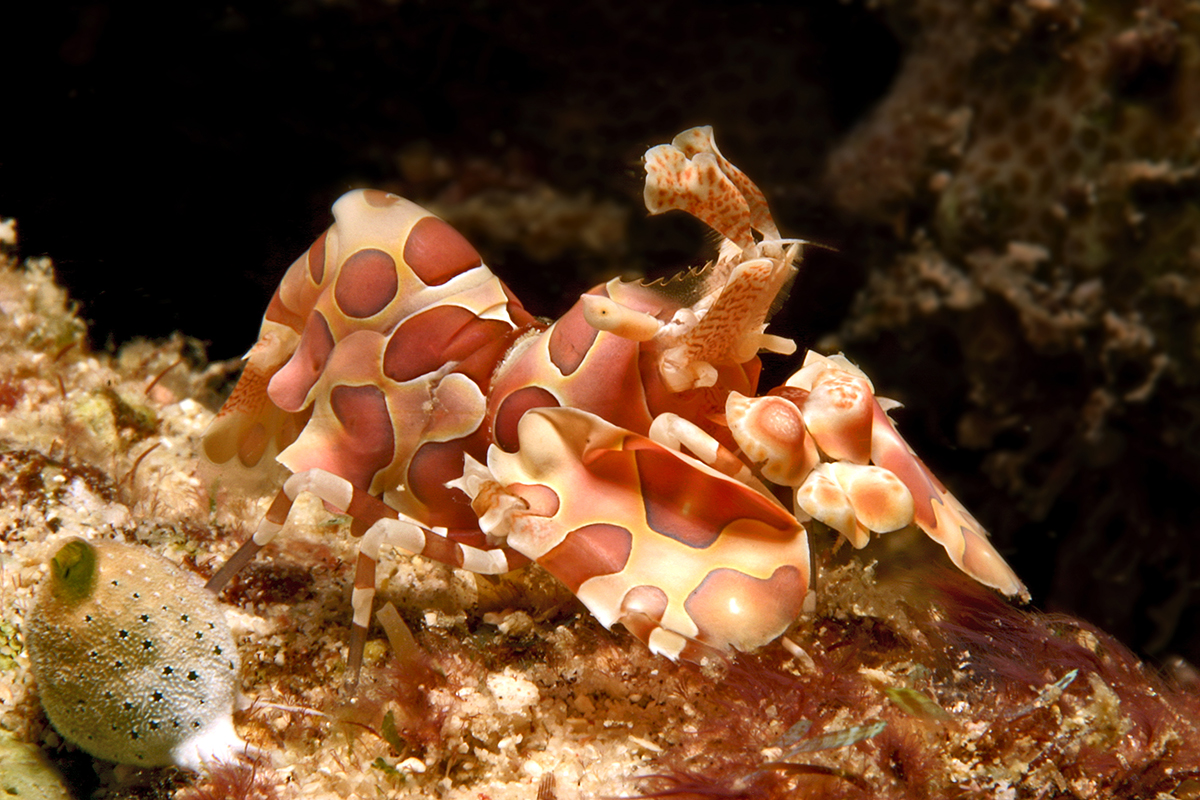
x=133 y=658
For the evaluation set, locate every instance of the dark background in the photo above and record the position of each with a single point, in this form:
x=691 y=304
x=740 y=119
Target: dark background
x=173 y=159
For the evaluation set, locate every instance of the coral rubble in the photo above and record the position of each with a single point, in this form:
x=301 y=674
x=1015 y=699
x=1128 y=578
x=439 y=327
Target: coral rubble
x=26 y=773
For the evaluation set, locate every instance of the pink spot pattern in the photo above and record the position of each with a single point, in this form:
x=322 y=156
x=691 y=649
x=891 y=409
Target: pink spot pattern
x=407 y=382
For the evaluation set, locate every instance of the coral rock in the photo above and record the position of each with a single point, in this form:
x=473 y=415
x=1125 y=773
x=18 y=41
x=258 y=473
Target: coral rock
x=26 y=773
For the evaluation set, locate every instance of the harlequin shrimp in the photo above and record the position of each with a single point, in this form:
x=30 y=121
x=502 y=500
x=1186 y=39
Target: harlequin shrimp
x=622 y=447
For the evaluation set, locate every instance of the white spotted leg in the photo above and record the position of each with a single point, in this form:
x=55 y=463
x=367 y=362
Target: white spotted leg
x=376 y=524
x=673 y=431
x=267 y=529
